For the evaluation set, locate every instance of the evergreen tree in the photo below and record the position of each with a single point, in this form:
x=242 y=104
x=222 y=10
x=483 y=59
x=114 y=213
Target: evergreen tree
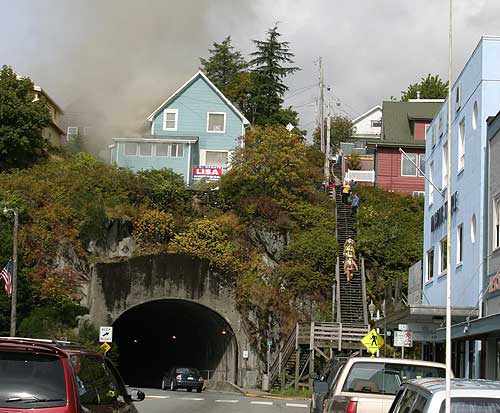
x=224 y=65
x=269 y=70
x=22 y=119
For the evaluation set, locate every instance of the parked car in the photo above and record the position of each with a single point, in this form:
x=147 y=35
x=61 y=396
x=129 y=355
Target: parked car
x=59 y=377
x=427 y=396
x=182 y=378
x=369 y=384
x=324 y=382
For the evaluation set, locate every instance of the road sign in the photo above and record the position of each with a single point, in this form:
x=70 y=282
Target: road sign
x=269 y=342
x=245 y=354
x=373 y=341
x=106 y=334
x=403 y=327
x=403 y=339
x=105 y=347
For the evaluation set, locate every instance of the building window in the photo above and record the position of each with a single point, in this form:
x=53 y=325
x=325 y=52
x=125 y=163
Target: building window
x=216 y=122
x=177 y=150
x=407 y=166
x=418 y=193
x=376 y=123
x=71 y=132
x=474 y=116
x=461 y=146
x=170 y=119
x=433 y=135
x=431 y=179
x=87 y=130
x=457 y=98
x=162 y=149
x=421 y=164
x=131 y=149
x=496 y=222
x=216 y=158
x=460 y=231
x=430 y=265
x=442 y=255
x=145 y=149
x=440 y=124
x=444 y=166
x=473 y=225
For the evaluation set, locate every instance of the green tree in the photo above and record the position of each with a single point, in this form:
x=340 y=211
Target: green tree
x=340 y=131
x=22 y=119
x=268 y=67
x=430 y=87
x=224 y=66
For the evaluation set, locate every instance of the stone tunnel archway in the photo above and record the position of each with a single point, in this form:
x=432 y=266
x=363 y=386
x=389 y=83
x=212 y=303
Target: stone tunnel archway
x=160 y=334
x=174 y=293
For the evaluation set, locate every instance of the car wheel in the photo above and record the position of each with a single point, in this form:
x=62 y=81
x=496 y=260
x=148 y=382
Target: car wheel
x=163 y=385
x=189 y=390
x=172 y=387
x=198 y=390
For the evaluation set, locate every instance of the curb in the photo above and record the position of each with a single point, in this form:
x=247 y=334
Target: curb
x=276 y=397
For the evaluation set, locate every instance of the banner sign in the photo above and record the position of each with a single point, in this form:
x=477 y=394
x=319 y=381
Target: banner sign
x=212 y=173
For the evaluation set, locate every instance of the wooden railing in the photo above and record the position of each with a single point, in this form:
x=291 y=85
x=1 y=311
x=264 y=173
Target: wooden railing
x=291 y=344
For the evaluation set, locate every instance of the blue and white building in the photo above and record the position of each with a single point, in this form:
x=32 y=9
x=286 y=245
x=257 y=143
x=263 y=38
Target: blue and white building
x=475 y=97
x=194 y=132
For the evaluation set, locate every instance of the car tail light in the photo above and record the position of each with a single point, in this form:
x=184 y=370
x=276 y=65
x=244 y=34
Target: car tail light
x=352 y=407
x=178 y=377
x=200 y=379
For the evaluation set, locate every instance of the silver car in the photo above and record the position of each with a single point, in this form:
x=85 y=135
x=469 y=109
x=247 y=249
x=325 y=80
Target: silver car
x=467 y=396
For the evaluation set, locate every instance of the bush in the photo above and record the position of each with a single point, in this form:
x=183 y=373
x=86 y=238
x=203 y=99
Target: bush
x=153 y=227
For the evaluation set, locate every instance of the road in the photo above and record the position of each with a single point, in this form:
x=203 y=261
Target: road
x=158 y=401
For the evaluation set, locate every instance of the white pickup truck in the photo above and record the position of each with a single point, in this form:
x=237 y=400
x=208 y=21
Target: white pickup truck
x=369 y=385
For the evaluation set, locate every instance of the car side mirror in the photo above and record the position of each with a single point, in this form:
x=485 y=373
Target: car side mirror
x=320 y=386
x=314 y=376
x=137 y=395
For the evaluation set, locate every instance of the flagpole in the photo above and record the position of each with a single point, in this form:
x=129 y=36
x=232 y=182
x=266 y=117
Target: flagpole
x=13 y=309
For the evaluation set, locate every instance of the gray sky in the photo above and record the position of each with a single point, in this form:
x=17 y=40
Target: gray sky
x=127 y=56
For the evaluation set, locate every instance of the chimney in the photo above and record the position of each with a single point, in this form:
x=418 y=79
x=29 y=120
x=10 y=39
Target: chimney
x=418 y=94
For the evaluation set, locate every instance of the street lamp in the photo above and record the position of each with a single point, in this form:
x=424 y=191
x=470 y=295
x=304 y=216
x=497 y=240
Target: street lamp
x=13 y=314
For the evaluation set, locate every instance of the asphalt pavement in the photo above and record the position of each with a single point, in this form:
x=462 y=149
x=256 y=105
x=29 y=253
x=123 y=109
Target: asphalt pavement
x=180 y=401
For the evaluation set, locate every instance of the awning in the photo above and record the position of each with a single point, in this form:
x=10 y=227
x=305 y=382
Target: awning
x=476 y=329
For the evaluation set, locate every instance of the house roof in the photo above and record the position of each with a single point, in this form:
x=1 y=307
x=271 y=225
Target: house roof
x=396 y=117
x=186 y=85
x=364 y=115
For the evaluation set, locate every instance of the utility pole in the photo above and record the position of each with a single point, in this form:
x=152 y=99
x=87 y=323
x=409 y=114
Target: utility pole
x=13 y=310
x=327 y=147
x=321 y=105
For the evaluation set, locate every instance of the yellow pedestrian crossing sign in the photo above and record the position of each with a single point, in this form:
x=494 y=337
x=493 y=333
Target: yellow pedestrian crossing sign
x=373 y=341
x=105 y=347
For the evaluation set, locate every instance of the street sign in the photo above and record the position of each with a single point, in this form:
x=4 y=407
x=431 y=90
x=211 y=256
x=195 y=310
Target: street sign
x=105 y=347
x=373 y=341
x=403 y=327
x=245 y=354
x=403 y=339
x=105 y=334
x=269 y=342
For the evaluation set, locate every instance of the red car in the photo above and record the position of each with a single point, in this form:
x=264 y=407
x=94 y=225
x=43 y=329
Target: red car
x=46 y=376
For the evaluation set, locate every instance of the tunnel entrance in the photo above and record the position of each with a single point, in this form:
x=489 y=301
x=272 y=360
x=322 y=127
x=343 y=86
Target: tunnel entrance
x=157 y=335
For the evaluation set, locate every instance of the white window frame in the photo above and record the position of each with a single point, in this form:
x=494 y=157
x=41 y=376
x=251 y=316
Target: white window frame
x=496 y=222
x=460 y=244
x=379 y=121
x=168 y=150
x=174 y=111
x=68 y=133
x=177 y=145
x=475 y=114
x=458 y=98
x=125 y=148
x=433 y=135
x=139 y=149
x=216 y=113
x=461 y=146
x=420 y=157
x=444 y=166
x=473 y=227
x=431 y=183
x=203 y=156
x=403 y=158
x=430 y=265
x=442 y=252
x=440 y=129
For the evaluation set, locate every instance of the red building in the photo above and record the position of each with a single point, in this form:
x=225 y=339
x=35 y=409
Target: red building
x=404 y=126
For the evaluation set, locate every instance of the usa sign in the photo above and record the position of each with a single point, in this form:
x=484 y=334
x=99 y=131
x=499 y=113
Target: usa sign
x=212 y=173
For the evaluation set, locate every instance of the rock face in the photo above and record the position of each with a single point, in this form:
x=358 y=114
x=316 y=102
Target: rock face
x=273 y=242
x=118 y=243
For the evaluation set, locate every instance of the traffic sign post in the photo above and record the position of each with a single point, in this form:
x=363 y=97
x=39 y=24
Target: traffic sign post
x=105 y=347
x=373 y=341
x=105 y=334
x=403 y=339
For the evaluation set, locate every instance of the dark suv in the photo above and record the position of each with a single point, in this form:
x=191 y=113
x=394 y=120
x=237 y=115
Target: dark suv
x=59 y=377
x=182 y=378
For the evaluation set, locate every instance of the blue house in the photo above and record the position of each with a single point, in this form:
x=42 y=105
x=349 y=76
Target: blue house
x=194 y=132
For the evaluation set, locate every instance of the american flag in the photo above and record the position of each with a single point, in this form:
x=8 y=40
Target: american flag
x=6 y=276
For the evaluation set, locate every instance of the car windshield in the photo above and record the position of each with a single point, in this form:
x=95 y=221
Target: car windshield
x=385 y=378
x=473 y=405
x=30 y=380
x=187 y=370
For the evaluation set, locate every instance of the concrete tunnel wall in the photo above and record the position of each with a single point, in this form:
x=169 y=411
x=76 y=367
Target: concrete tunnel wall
x=116 y=288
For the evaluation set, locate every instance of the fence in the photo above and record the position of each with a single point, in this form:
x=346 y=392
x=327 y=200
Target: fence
x=360 y=176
